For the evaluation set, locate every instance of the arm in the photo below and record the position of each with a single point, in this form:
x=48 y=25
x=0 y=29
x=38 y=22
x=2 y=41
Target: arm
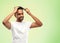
x=37 y=22
x=6 y=22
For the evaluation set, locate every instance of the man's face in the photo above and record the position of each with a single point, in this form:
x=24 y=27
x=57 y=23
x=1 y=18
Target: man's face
x=20 y=15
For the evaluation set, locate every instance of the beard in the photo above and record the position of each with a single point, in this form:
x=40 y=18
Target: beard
x=20 y=19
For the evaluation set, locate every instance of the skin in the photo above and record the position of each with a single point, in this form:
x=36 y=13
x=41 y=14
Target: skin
x=20 y=16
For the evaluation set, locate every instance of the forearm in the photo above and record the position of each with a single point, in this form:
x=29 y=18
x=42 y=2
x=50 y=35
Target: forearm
x=8 y=17
x=37 y=21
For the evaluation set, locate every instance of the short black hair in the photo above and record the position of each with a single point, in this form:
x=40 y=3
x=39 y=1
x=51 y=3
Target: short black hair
x=20 y=8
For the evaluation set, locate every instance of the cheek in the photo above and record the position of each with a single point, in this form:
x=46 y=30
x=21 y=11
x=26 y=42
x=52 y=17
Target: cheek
x=18 y=16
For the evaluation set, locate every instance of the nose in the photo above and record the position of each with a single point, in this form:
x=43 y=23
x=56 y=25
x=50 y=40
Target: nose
x=21 y=15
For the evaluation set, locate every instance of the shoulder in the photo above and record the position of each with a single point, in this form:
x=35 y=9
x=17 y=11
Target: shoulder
x=28 y=23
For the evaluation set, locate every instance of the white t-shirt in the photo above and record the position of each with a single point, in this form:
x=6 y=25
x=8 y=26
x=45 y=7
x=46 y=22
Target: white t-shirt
x=20 y=31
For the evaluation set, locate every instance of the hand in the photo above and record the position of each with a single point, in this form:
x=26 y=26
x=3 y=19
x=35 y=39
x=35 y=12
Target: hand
x=27 y=10
x=15 y=9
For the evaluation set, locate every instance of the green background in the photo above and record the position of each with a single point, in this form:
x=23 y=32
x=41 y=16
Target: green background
x=46 y=10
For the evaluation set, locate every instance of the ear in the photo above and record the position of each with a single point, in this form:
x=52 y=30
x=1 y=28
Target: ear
x=15 y=14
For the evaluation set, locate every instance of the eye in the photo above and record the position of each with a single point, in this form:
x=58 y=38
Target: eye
x=18 y=14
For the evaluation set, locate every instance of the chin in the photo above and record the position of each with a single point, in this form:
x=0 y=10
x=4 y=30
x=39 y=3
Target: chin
x=21 y=20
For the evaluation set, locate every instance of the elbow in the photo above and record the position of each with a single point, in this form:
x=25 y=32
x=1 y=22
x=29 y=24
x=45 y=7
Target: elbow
x=40 y=24
x=3 y=22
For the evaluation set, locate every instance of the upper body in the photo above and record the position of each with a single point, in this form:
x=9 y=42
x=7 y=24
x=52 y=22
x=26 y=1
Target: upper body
x=19 y=28
x=20 y=31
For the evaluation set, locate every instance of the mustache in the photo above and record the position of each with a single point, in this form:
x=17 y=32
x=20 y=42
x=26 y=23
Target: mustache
x=21 y=17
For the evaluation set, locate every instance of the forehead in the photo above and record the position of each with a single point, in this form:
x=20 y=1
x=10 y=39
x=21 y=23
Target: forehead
x=20 y=11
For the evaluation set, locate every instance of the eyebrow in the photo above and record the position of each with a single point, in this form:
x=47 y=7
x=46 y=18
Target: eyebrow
x=19 y=13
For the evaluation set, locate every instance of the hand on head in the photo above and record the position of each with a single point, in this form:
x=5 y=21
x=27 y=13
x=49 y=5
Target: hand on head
x=25 y=9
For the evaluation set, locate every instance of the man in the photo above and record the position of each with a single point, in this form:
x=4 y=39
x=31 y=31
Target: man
x=20 y=28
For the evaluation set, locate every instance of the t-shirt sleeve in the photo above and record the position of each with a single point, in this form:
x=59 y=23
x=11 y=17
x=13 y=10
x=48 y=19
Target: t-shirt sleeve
x=11 y=25
x=29 y=24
